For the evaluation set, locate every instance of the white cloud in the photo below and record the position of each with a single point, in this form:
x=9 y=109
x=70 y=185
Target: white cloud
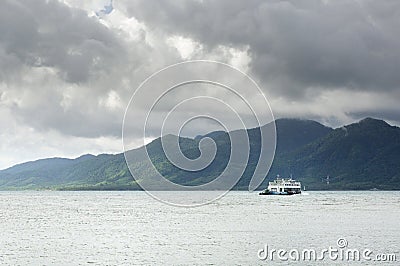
x=185 y=46
x=112 y=101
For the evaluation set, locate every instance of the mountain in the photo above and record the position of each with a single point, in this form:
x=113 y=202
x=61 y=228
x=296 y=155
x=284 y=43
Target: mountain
x=295 y=133
x=362 y=155
x=85 y=171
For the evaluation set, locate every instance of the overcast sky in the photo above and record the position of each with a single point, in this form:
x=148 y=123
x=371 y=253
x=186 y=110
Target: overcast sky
x=68 y=68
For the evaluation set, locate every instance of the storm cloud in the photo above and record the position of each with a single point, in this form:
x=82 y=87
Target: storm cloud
x=68 y=68
x=293 y=45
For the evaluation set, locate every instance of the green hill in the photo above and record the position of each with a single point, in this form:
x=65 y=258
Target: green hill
x=362 y=155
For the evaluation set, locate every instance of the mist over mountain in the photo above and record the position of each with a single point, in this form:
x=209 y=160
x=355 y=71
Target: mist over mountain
x=362 y=155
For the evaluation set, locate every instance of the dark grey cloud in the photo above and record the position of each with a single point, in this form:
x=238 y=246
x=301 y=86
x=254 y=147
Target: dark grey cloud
x=294 y=45
x=51 y=34
x=58 y=66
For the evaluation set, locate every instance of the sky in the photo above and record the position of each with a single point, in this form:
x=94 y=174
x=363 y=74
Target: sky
x=68 y=68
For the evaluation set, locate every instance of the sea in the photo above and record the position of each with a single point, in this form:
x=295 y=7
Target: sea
x=241 y=228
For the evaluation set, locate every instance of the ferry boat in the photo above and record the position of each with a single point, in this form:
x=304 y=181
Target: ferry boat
x=282 y=186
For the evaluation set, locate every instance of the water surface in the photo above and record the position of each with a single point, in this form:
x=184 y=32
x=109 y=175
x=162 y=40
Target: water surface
x=108 y=228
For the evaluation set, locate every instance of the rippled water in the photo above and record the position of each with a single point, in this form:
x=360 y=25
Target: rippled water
x=110 y=228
